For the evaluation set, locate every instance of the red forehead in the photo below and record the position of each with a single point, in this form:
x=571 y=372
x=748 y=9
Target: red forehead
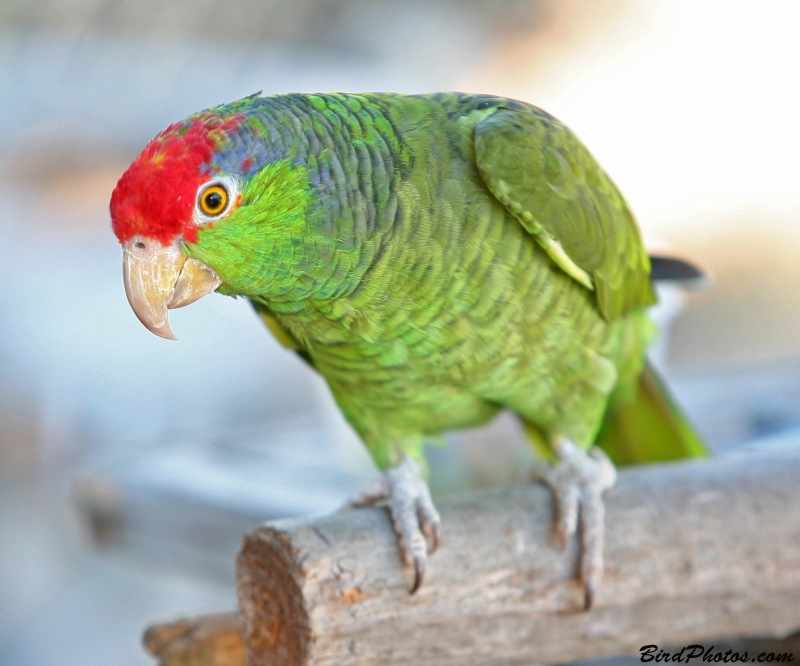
x=155 y=197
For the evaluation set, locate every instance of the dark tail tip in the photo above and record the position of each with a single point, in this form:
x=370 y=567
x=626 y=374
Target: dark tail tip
x=671 y=269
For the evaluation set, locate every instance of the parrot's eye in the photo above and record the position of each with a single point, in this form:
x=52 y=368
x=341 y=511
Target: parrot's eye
x=213 y=200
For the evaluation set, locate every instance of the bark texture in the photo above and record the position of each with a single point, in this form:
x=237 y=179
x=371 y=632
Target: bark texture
x=695 y=551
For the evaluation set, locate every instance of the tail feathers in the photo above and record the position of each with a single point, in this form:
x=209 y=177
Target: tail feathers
x=648 y=426
x=671 y=269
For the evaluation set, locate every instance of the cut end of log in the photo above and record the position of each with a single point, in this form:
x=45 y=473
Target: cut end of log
x=276 y=623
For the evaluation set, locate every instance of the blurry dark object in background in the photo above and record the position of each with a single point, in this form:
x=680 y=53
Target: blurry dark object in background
x=99 y=501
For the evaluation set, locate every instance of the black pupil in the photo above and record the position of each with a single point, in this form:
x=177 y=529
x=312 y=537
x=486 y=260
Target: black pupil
x=213 y=201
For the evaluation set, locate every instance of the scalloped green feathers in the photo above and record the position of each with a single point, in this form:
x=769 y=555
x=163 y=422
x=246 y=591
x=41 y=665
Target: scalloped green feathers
x=556 y=189
x=437 y=258
x=246 y=247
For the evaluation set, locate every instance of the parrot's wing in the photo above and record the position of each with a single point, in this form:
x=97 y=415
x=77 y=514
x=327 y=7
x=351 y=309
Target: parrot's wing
x=542 y=173
x=281 y=334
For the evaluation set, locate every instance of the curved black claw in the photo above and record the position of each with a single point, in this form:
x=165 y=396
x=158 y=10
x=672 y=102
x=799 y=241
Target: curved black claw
x=436 y=536
x=419 y=573
x=588 y=599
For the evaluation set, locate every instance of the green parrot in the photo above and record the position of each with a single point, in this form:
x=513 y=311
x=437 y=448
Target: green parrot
x=436 y=258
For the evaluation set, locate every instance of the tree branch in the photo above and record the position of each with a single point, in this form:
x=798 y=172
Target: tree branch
x=695 y=551
x=208 y=640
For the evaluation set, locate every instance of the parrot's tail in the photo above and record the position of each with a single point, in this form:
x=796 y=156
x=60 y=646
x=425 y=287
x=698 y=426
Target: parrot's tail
x=648 y=426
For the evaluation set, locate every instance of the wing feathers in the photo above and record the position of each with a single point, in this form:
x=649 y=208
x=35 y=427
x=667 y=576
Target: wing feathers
x=551 y=183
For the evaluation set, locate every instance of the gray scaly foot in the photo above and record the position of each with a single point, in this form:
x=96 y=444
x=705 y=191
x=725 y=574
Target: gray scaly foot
x=413 y=513
x=578 y=480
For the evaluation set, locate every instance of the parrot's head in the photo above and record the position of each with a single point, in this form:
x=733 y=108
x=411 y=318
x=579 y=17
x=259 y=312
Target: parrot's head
x=203 y=207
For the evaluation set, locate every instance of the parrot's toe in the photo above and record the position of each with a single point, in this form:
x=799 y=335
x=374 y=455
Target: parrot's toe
x=435 y=534
x=413 y=513
x=578 y=481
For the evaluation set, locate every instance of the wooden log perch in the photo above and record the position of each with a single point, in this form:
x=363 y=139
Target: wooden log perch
x=695 y=551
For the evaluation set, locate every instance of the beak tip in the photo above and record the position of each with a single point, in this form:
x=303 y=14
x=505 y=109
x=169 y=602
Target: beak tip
x=162 y=329
x=163 y=332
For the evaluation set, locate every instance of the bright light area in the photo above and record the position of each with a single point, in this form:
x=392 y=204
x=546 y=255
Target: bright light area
x=691 y=105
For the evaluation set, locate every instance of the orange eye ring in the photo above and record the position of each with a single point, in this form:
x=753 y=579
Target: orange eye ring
x=214 y=200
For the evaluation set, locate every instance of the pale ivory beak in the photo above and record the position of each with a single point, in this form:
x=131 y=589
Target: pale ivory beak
x=159 y=278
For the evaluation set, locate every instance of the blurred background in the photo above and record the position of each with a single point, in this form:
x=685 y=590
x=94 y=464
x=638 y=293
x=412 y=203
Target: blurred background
x=130 y=466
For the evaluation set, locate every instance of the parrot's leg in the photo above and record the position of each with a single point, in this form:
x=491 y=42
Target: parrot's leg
x=578 y=480
x=413 y=513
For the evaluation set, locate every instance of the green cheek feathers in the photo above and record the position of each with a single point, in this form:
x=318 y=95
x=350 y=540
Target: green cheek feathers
x=255 y=250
